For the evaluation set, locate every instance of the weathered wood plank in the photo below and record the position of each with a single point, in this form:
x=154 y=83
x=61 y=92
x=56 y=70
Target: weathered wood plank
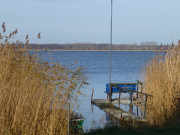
x=111 y=109
x=116 y=112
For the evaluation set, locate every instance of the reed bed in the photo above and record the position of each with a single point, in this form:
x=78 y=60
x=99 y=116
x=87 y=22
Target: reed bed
x=33 y=93
x=162 y=80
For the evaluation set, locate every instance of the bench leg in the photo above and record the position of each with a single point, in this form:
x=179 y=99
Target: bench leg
x=110 y=97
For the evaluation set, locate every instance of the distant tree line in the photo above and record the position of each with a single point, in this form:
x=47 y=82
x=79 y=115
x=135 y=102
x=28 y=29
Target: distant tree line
x=87 y=46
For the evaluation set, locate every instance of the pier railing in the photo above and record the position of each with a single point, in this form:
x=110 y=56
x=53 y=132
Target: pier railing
x=111 y=109
x=129 y=88
x=124 y=90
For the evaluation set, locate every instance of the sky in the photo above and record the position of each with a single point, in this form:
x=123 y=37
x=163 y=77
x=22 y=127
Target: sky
x=88 y=21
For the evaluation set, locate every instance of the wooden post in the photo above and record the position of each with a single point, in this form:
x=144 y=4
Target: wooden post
x=92 y=95
x=145 y=105
x=137 y=89
x=137 y=110
x=131 y=98
x=119 y=97
x=131 y=103
x=142 y=87
x=110 y=92
x=92 y=99
x=92 y=107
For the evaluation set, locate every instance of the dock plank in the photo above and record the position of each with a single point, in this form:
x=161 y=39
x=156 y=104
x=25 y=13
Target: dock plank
x=111 y=109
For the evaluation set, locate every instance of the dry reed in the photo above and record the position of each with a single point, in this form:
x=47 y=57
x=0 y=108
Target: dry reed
x=34 y=94
x=162 y=80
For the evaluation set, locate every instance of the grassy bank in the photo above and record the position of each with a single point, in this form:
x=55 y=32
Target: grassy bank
x=170 y=130
x=33 y=93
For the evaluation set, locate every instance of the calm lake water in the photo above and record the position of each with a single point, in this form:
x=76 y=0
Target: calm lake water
x=126 y=68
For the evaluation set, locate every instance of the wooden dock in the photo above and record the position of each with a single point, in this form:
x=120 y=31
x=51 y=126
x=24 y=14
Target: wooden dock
x=116 y=112
x=113 y=110
x=112 y=106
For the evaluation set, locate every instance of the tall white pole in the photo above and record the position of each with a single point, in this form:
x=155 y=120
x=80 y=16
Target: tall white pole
x=110 y=92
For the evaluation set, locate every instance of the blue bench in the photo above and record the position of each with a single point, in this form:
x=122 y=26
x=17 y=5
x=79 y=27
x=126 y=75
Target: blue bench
x=125 y=87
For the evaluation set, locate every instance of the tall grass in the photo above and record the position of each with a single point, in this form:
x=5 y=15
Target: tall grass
x=33 y=93
x=162 y=80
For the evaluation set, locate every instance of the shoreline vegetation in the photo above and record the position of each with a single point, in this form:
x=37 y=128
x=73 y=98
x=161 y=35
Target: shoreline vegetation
x=98 y=47
x=34 y=95
x=101 y=50
x=162 y=80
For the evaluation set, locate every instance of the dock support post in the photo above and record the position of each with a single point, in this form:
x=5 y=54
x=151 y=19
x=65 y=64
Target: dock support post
x=141 y=87
x=137 y=111
x=92 y=99
x=131 y=98
x=137 y=89
x=131 y=103
x=110 y=92
x=92 y=95
x=92 y=108
x=145 y=105
x=119 y=97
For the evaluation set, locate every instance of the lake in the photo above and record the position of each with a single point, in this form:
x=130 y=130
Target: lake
x=126 y=68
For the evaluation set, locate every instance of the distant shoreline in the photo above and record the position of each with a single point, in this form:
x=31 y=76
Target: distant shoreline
x=97 y=47
x=103 y=50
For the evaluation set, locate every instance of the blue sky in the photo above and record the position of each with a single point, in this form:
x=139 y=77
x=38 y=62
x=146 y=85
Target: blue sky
x=88 y=21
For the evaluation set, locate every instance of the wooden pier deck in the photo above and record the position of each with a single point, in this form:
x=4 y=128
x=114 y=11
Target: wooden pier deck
x=111 y=109
x=113 y=106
